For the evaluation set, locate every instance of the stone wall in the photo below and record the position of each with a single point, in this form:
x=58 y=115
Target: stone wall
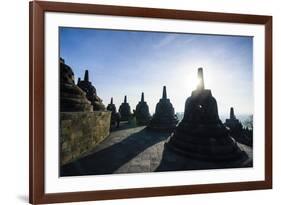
x=80 y=132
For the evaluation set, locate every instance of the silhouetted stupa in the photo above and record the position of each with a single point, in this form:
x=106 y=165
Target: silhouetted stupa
x=236 y=130
x=72 y=98
x=91 y=92
x=125 y=110
x=142 y=112
x=115 y=118
x=232 y=123
x=164 y=117
x=201 y=134
x=111 y=107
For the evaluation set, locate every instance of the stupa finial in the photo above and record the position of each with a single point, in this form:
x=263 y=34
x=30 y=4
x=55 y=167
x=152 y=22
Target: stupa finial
x=200 y=85
x=111 y=100
x=232 y=116
x=86 y=76
x=142 y=97
x=61 y=60
x=79 y=79
x=164 y=95
x=125 y=99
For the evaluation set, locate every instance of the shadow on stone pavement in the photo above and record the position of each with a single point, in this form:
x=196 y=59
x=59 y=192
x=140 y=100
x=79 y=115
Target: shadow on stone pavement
x=109 y=159
x=123 y=126
x=172 y=161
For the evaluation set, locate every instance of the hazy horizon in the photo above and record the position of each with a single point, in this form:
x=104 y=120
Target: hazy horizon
x=130 y=62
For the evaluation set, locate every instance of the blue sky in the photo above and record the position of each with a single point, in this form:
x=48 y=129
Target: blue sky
x=128 y=63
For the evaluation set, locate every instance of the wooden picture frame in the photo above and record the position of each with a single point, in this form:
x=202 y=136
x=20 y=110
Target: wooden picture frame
x=38 y=9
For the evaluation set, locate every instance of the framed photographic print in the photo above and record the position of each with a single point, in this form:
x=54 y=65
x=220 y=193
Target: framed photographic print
x=139 y=102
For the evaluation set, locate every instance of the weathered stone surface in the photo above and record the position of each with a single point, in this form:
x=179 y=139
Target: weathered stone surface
x=164 y=117
x=125 y=110
x=72 y=98
x=201 y=134
x=138 y=150
x=80 y=132
x=142 y=112
x=91 y=92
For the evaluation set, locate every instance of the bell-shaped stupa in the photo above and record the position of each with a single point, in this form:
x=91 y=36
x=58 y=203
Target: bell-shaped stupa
x=164 y=117
x=237 y=131
x=201 y=134
x=72 y=98
x=115 y=117
x=91 y=92
x=233 y=123
x=111 y=107
x=142 y=112
x=125 y=110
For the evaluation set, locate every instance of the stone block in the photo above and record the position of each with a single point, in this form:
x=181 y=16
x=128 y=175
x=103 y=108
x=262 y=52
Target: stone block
x=80 y=132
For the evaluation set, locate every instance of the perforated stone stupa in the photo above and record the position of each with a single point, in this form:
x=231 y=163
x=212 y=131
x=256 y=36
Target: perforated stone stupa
x=233 y=123
x=91 y=92
x=236 y=130
x=164 y=117
x=111 y=107
x=201 y=134
x=115 y=117
x=142 y=112
x=81 y=128
x=125 y=110
x=72 y=98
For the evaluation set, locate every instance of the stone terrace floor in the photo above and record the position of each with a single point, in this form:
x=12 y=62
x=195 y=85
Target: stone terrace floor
x=135 y=150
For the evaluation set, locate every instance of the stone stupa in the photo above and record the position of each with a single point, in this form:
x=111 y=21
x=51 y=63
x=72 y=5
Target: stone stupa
x=125 y=110
x=72 y=98
x=237 y=131
x=164 y=117
x=233 y=123
x=115 y=117
x=111 y=107
x=80 y=128
x=142 y=112
x=201 y=134
x=91 y=92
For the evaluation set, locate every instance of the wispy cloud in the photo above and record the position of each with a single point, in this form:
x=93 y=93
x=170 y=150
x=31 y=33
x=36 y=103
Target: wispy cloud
x=167 y=40
x=123 y=62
